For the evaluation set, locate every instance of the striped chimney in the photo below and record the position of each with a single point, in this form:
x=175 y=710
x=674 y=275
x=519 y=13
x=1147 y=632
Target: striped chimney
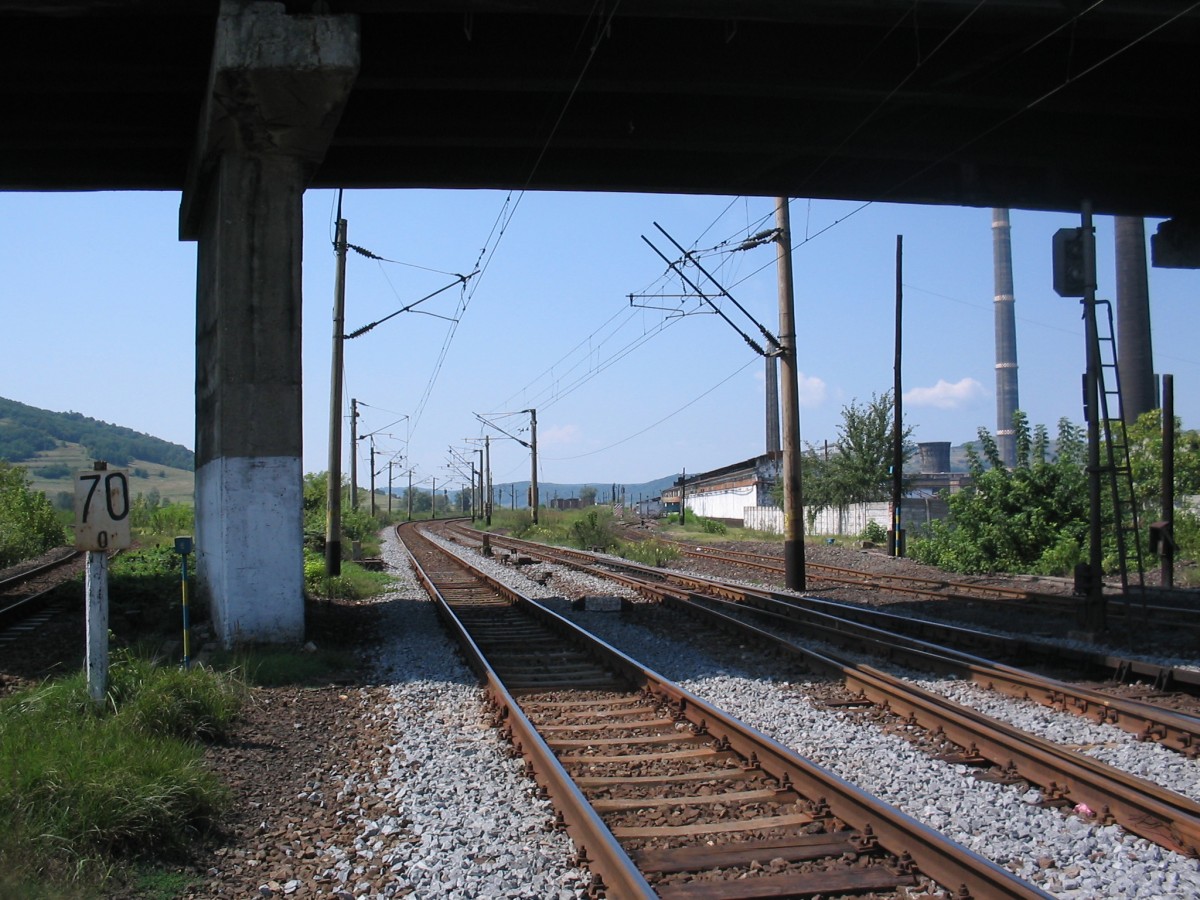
x=1007 y=402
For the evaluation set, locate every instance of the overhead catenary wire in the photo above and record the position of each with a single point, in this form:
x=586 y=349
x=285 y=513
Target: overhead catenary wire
x=665 y=418
x=500 y=225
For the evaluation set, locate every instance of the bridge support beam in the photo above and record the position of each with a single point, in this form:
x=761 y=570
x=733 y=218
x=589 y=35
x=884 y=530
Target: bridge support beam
x=277 y=86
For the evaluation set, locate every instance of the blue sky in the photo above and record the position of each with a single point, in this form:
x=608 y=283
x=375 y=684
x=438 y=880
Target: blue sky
x=99 y=318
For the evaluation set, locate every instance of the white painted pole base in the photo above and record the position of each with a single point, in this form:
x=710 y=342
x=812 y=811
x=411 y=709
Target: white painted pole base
x=96 y=586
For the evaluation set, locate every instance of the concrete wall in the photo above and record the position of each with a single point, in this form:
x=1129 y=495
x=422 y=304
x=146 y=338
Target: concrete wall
x=915 y=514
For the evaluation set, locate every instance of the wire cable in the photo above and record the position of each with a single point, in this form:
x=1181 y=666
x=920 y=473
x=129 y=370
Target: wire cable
x=653 y=425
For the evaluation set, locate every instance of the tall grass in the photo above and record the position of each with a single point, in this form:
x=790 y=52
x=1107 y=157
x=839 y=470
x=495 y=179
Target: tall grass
x=84 y=788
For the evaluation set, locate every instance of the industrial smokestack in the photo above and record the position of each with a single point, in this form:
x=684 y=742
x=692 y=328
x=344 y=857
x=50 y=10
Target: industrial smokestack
x=1135 y=358
x=773 y=444
x=1007 y=402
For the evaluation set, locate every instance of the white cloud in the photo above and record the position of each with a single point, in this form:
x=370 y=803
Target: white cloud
x=945 y=395
x=560 y=434
x=811 y=390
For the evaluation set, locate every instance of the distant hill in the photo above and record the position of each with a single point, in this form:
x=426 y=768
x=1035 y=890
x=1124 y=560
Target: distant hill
x=26 y=432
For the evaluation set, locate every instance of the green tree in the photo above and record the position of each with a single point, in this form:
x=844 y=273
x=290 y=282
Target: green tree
x=28 y=523
x=860 y=468
x=1031 y=518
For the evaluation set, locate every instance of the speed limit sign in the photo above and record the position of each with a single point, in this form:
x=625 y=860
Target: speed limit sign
x=101 y=510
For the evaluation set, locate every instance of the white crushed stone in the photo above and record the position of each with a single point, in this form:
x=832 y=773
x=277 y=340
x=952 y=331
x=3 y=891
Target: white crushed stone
x=453 y=815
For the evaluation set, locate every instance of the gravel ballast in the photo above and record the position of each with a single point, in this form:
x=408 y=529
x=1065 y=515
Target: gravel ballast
x=453 y=814
x=1064 y=853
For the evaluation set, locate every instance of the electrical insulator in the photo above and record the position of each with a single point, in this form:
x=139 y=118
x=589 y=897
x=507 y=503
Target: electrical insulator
x=1069 y=277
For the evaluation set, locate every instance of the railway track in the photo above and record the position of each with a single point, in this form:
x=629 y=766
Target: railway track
x=665 y=795
x=26 y=594
x=1118 y=606
x=842 y=617
x=1065 y=775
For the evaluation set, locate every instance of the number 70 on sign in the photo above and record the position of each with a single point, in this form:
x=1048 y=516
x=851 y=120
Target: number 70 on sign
x=101 y=510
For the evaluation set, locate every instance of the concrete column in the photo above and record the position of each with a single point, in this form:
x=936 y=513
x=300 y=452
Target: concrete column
x=1135 y=352
x=276 y=89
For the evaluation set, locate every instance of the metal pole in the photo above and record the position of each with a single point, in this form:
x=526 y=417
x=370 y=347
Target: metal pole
x=389 y=489
x=1167 y=554
x=410 y=494
x=433 y=501
x=353 y=453
x=472 y=490
x=1093 y=612
x=333 y=497
x=487 y=468
x=533 y=482
x=896 y=538
x=187 y=624
x=789 y=395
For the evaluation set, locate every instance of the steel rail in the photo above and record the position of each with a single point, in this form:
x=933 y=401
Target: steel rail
x=25 y=605
x=32 y=573
x=605 y=856
x=945 y=861
x=1119 y=605
x=1141 y=807
x=1123 y=668
x=1176 y=731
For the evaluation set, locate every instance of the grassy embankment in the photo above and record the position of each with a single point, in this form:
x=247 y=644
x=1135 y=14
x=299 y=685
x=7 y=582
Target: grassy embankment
x=102 y=799
x=597 y=528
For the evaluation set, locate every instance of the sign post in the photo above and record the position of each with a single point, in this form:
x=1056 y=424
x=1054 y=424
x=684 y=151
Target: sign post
x=101 y=524
x=183 y=546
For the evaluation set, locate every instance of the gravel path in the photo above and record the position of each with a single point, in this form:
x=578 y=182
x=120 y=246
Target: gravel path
x=1065 y=854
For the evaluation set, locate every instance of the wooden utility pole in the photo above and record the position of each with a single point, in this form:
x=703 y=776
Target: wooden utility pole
x=333 y=495
x=1167 y=541
x=533 y=481
x=683 y=498
x=353 y=453
x=896 y=533
x=789 y=395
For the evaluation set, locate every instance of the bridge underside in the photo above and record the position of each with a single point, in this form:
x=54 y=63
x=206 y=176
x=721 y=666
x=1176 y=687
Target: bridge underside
x=1006 y=103
x=242 y=106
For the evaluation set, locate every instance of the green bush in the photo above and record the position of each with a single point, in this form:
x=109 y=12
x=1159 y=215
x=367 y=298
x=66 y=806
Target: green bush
x=29 y=525
x=874 y=532
x=649 y=553
x=594 y=530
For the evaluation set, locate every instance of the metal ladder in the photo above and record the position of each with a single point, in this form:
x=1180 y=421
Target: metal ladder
x=1115 y=461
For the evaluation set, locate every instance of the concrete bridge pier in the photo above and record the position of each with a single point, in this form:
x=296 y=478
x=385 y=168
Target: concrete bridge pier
x=277 y=86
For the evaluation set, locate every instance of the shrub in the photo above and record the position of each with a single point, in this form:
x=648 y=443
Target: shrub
x=594 y=530
x=28 y=524
x=874 y=532
x=649 y=553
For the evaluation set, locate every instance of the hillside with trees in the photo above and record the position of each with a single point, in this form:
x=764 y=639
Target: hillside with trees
x=26 y=431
